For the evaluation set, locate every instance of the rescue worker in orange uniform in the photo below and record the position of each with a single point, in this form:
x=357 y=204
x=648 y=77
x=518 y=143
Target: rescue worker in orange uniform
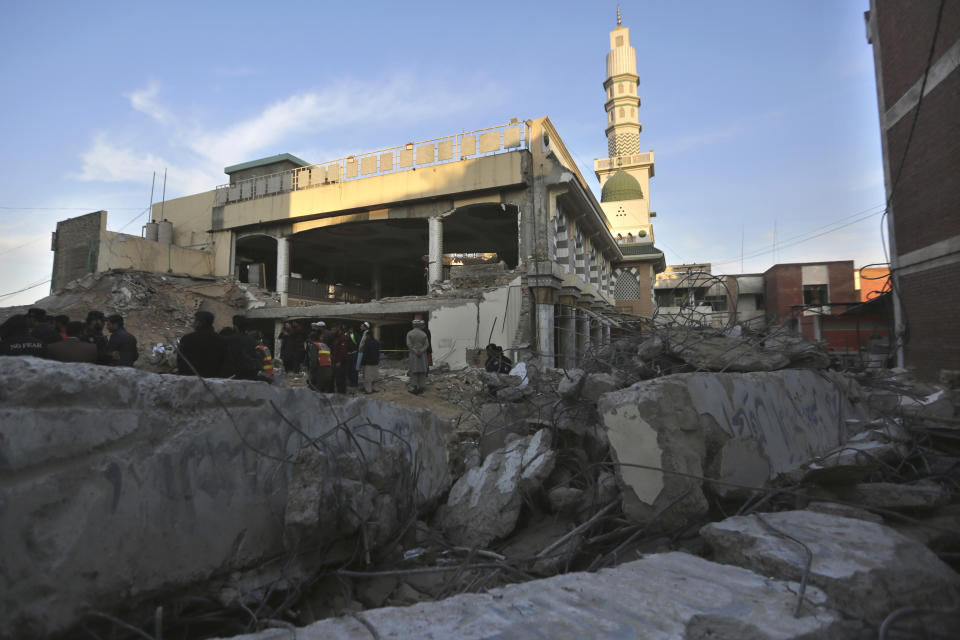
x=267 y=357
x=319 y=363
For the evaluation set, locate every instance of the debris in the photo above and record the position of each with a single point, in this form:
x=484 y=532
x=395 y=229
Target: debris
x=485 y=502
x=865 y=569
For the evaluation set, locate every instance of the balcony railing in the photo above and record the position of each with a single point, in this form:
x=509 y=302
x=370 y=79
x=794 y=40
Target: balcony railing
x=414 y=155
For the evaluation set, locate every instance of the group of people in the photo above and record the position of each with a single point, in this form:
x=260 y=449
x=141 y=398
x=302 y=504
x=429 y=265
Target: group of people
x=334 y=356
x=236 y=351
x=36 y=333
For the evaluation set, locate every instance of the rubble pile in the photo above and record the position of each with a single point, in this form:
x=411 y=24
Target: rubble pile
x=684 y=483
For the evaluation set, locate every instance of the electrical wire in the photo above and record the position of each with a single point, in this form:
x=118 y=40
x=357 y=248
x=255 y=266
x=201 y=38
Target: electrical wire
x=33 y=286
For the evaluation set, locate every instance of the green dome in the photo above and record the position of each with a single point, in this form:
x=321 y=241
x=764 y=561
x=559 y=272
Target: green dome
x=621 y=186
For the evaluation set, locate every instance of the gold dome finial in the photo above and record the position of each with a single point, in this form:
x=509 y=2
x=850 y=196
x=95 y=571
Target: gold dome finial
x=618 y=15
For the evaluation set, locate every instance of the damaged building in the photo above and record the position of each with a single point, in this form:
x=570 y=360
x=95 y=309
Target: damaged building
x=669 y=479
x=490 y=235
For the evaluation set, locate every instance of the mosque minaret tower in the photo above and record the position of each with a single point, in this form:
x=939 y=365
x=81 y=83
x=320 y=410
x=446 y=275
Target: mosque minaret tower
x=625 y=179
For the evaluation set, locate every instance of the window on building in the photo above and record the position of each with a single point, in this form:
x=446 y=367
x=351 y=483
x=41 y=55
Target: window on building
x=620 y=112
x=717 y=303
x=815 y=294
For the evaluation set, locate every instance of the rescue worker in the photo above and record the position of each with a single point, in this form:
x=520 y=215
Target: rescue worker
x=339 y=347
x=417 y=344
x=319 y=363
x=267 y=358
x=353 y=348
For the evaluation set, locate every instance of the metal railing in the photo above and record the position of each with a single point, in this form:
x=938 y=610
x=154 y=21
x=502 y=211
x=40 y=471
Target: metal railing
x=413 y=155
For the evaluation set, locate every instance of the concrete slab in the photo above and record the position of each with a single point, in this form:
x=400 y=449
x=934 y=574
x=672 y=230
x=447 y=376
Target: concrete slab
x=865 y=568
x=666 y=596
x=119 y=484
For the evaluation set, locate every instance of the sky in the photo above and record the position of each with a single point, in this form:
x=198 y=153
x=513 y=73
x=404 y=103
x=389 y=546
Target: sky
x=762 y=115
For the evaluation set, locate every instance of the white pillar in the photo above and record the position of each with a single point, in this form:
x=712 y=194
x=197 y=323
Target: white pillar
x=283 y=268
x=545 y=317
x=277 y=330
x=606 y=334
x=435 y=269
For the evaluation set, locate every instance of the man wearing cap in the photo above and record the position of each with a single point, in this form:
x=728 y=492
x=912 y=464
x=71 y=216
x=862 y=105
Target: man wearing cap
x=417 y=344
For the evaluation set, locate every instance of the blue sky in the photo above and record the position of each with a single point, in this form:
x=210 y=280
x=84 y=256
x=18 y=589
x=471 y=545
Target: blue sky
x=762 y=114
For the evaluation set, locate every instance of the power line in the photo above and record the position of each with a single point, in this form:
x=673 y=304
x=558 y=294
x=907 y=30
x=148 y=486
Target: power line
x=33 y=286
x=800 y=238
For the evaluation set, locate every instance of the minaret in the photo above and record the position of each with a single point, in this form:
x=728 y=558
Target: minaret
x=623 y=123
x=625 y=174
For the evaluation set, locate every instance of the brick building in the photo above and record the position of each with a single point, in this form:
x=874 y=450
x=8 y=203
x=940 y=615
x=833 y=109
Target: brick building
x=916 y=48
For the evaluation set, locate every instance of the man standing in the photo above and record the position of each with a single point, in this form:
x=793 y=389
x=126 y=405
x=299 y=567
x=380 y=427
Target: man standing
x=93 y=333
x=417 y=344
x=319 y=363
x=39 y=324
x=122 y=346
x=291 y=347
x=72 y=348
x=16 y=339
x=353 y=346
x=203 y=348
x=243 y=361
x=371 y=361
x=339 y=345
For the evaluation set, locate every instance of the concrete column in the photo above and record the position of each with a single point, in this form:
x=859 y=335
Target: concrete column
x=588 y=324
x=376 y=280
x=435 y=269
x=606 y=334
x=569 y=337
x=597 y=337
x=283 y=268
x=277 y=330
x=545 y=332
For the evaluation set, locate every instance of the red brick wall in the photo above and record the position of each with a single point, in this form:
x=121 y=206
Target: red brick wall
x=783 y=287
x=905 y=33
x=842 y=286
x=930 y=302
x=926 y=204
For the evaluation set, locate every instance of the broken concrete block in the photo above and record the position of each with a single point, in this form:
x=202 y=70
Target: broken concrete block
x=570 y=384
x=722 y=353
x=679 y=422
x=484 y=503
x=661 y=597
x=889 y=495
x=651 y=348
x=514 y=394
x=739 y=463
x=864 y=568
x=934 y=405
x=597 y=384
x=115 y=476
x=844 y=511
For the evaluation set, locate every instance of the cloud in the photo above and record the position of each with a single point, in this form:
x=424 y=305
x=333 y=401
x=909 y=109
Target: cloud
x=348 y=103
x=107 y=162
x=196 y=153
x=144 y=101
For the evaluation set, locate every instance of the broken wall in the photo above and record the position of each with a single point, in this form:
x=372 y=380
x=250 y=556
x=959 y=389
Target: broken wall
x=120 y=485
x=122 y=251
x=76 y=247
x=494 y=317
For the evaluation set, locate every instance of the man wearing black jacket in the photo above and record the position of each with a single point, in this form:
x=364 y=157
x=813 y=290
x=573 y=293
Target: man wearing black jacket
x=203 y=349
x=122 y=346
x=242 y=361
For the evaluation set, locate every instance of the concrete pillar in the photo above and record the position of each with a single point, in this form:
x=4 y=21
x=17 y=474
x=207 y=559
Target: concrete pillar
x=277 y=330
x=569 y=337
x=545 y=329
x=435 y=269
x=597 y=336
x=606 y=334
x=376 y=281
x=283 y=268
